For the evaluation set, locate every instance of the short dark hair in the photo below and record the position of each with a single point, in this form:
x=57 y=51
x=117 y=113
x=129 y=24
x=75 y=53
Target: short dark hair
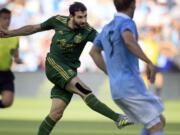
x=77 y=6
x=122 y=5
x=5 y=10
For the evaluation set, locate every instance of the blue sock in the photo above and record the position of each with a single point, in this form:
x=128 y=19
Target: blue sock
x=144 y=131
x=158 y=133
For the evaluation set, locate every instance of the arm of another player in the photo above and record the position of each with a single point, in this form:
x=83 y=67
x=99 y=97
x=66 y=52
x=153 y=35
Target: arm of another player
x=17 y=59
x=97 y=57
x=133 y=46
x=15 y=54
x=23 y=31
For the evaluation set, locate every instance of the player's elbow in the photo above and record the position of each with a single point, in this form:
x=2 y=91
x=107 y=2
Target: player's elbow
x=94 y=52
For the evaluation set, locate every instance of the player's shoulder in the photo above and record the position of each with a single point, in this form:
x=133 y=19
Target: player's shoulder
x=129 y=21
x=61 y=18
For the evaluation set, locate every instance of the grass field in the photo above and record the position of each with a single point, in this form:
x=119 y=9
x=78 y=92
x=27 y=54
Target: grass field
x=26 y=115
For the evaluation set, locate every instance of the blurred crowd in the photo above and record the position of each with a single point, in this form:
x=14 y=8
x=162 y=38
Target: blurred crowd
x=158 y=23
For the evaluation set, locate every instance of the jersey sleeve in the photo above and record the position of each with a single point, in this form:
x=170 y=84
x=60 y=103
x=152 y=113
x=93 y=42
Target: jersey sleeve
x=48 y=24
x=128 y=25
x=92 y=35
x=97 y=42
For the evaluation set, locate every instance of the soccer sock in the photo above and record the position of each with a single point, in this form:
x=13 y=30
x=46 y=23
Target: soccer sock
x=157 y=133
x=101 y=108
x=144 y=131
x=46 y=126
x=1 y=104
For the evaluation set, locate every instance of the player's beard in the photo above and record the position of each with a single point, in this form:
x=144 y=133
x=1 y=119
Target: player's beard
x=79 y=25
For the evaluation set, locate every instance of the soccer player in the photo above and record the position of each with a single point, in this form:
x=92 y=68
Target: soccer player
x=8 y=50
x=71 y=35
x=118 y=39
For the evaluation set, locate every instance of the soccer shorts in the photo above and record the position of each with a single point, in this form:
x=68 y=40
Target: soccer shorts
x=59 y=74
x=6 y=81
x=144 y=109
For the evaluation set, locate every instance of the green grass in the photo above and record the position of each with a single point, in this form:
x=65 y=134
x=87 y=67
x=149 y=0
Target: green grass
x=24 y=117
x=13 y=127
x=26 y=114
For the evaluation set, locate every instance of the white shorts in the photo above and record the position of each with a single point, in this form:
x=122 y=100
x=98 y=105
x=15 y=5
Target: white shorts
x=144 y=109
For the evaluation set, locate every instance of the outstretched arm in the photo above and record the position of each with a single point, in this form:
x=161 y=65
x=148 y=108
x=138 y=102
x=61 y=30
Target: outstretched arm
x=23 y=31
x=133 y=46
x=97 y=57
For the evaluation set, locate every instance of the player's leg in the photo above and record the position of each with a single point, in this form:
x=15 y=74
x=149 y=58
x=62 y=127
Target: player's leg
x=150 y=116
x=7 y=97
x=157 y=129
x=7 y=92
x=6 y=88
x=64 y=77
x=78 y=87
x=60 y=100
x=56 y=113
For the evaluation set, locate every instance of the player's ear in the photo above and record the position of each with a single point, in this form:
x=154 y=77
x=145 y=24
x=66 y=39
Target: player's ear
x=70 y=16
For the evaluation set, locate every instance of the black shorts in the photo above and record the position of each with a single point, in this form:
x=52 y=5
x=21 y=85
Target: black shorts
x=6 y=81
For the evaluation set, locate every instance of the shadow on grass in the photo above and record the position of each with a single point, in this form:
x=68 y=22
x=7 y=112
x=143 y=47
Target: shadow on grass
x=17 y=127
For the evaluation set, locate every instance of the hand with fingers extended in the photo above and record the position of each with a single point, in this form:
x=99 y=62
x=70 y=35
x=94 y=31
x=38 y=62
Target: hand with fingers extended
x=151 y=72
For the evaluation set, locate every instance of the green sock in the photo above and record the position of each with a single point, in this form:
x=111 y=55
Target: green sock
x=100 y=107
x=46 y=126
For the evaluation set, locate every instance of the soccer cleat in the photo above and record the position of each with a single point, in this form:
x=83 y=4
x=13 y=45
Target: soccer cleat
x=123 y=121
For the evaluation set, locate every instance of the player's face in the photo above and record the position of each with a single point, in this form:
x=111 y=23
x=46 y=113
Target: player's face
x=80 y=19
x=5 y=19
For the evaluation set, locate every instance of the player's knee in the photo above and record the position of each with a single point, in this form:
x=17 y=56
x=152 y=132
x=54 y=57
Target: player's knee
x=56 y=115
x=156 y=127
x=7 y=103
x=82 y=89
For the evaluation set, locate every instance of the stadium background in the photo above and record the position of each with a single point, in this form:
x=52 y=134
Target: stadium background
x=32 y=103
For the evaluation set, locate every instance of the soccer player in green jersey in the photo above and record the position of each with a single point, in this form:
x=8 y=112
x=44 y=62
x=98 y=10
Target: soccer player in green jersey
x=8 y=50
x=71 y=35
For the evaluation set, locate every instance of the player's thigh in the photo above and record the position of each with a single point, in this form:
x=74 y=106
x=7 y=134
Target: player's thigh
x=58 y=105
x=79 y=87
x=62 y=94
x=58 y=72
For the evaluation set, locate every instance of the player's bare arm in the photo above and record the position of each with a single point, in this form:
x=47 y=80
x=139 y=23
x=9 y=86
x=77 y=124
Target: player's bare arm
x=96 y=55
x=23 y=31
x=133 y=46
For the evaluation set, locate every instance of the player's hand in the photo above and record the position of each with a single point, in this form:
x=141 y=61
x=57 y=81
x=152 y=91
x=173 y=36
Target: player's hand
x=151 y=72
x=18 y=61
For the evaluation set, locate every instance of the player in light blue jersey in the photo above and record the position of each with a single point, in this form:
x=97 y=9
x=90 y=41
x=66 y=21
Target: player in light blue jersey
x=118 y=39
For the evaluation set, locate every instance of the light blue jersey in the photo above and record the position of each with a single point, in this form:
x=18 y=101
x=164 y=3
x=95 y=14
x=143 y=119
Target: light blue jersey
x=127 y=88
x=122 y=65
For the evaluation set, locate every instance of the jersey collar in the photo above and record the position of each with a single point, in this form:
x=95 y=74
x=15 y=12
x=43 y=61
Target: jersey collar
x=122 y=15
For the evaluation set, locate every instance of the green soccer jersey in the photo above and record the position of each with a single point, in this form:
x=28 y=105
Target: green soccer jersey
x=67 y=44
x=6 y=47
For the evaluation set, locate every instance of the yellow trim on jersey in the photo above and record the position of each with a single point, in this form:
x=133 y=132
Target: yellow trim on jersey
x=58 y=68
